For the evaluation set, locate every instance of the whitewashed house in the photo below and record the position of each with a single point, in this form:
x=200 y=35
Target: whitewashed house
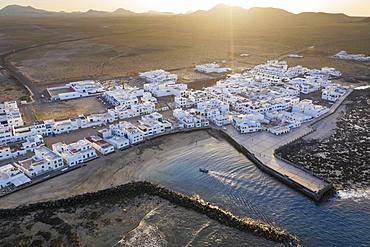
x=43 y=161
x=122 y=112
x=148 y=98
x=296 y=117
x=121 y=97
x=307 y=107
x=157 y=117
x=158 y=76
x=119 y=142
x=247 y=123
x=144 y=108
x=183 y=102
x=44 y=128
x=100 y=145
x=75 y=153
x=10 y=114
x=64 y=126
x=6 y=135
x=129 y=131
x=75 y=90
x=211 y=68
x=12 y=176
x=332 y=93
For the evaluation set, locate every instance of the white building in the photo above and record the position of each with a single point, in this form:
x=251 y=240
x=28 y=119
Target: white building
x=148 y=98
x=183 y=102
x=9 y=151
x=158 y=76
x=279 y=130
x=129 y=131
x=122 y=112
x=64 y=126
x=44 y=160
x=296 y=117
x=187 y=119
x=247 y=123
x=165 y=89
x=10 y=114
x=156 y=117
x=121 y=97
x=75 y=90
x=119 y=142
x=307 y=107
x=332 y=93
x=356 y=57
x=12 y=176
x=44 y=128
x=144 y=108
x=6 y=135
x=150 y=126
x=75 y=153
x=100 y=145
x=272 y=71
x=211 y=68
x=221 y=120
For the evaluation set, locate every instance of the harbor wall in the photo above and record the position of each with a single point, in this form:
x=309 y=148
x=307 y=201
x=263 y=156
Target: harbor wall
x=316 y=196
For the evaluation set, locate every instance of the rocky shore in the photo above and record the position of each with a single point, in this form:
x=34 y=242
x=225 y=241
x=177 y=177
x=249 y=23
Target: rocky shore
x=342 y=157
x=136 y=189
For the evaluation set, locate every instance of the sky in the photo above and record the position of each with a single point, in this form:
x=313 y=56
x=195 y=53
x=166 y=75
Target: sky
x=350 y=7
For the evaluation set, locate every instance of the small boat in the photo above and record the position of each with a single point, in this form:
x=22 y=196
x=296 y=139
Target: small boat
x=203 y=170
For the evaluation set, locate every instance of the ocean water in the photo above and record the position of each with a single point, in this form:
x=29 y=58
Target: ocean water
x=236 y=184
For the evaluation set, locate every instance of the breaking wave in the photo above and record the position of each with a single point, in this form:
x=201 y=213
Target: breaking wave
x=145 y=235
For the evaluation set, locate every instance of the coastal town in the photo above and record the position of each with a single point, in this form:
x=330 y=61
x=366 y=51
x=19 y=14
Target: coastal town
x=270 y=97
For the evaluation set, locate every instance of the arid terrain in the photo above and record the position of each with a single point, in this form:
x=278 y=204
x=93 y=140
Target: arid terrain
x=63 y=49
x=68 y=109
x=10 y=89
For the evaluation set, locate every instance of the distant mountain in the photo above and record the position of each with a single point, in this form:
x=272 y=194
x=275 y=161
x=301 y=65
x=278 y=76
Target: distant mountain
x=28 y=11
x=272 y=15
x=92 y=12
x=218 y=13
x=321 y=16
x=151 y=12
x=269 y=11
x=220 y=10
x=121 y=12
x=16 y=10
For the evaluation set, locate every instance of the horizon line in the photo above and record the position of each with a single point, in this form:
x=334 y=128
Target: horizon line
x=173 y=13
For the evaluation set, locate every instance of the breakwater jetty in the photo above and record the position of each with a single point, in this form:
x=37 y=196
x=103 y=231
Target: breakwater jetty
x=297 y=178
x=139 y=188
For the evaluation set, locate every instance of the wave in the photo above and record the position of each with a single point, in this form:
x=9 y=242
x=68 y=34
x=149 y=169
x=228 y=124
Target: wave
x=354 y=194
x=144 y=234
x=362 y=87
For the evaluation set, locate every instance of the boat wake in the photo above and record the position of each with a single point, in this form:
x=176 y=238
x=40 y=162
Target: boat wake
x=355 y=195
x=225 y=178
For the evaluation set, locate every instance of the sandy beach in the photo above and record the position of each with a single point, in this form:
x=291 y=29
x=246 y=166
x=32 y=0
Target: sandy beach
x=105 y=172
